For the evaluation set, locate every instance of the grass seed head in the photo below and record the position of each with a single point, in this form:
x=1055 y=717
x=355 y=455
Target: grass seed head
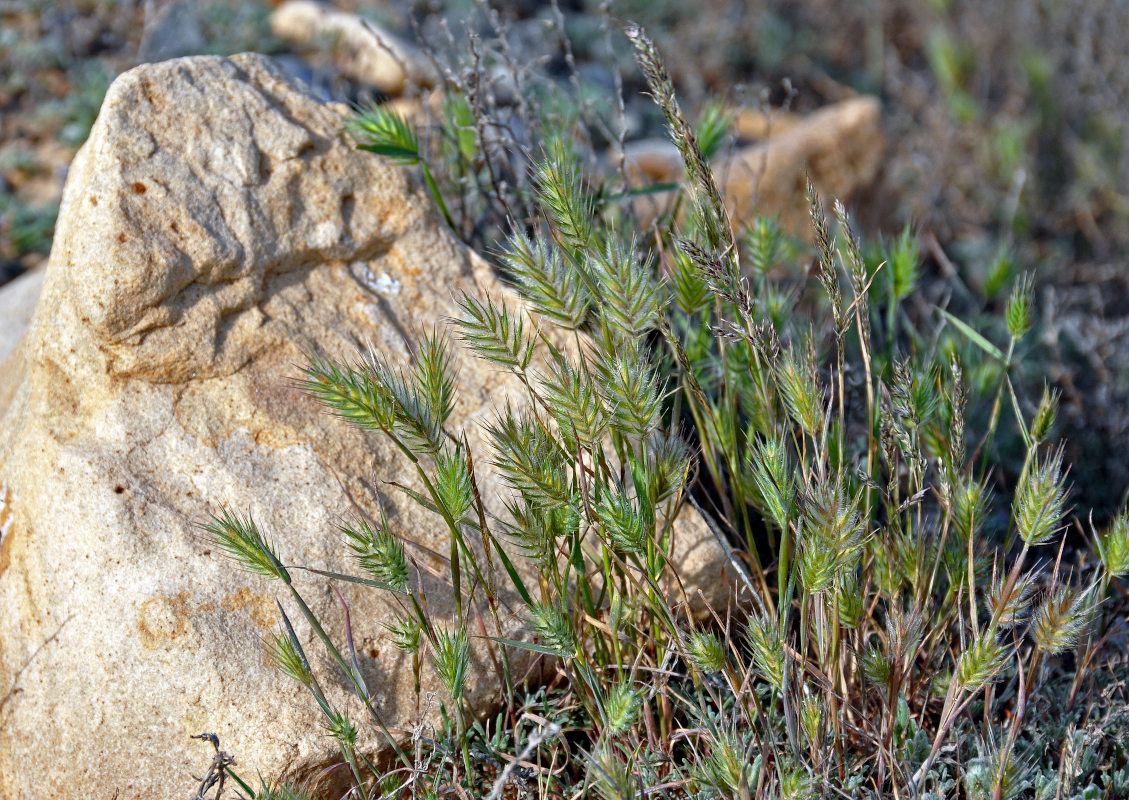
x=1113 y=547
x=706 y=651
x=241 y=539
x=290 y=660
x=621 y=708
x=622 y=522
x=763 y=637
x=1018 y=313
x=452 y=659
x=981 y=662
x=554 y=630
x=381 y=130
x=1040 y=500
x=1062 y=618
x=554 y=288
x=1015 y=608
x=407 y=635
x=379 y=553
x=1045 y=415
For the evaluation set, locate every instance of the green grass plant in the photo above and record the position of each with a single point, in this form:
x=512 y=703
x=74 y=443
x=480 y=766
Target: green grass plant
x=899 y=614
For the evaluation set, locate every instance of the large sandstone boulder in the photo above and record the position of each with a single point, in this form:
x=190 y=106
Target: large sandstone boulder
x=215 y=229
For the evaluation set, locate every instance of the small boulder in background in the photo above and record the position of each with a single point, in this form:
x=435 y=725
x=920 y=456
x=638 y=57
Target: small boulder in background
x=840 y=146
x=364 y=51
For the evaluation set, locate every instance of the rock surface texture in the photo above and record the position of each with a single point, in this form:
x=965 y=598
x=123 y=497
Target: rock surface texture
x=17 y=303
x=215 y=228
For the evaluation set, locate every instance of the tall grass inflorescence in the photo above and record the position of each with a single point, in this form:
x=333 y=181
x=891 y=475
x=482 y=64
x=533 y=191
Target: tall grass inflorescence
x=898 y=612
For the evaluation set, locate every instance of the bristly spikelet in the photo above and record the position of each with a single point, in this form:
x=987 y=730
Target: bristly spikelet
x=454 y=488
x=726 y=768
x=630 y=387
x=382 y=131
x=970 y=507
x=407 y=635
x=981 y=662
x=433 y=376
x=1062 y=618
x=531 y=459
x=414 y=422
x=1018 y=314
x=706 y=651
x=667 y=460
x=379 y=553
x=620 y=708
x=622 y=521
x=1013 y=776
x=903 y=261
x=691 y=292
x=831 y=537
x=851 y=600
x=353 y=393
x=1045 y=415
x=811 y=716
x=1113 y=547
x=494 y=334
x=1040 y=500
x=875 y=665
x=713 y=127
x=378 y=129
x=536 y=529
x=762 y=241
x=629 y=292
x=767 y=647
x=564 y=196
x=574 y=402
x=240 y=538
x=610 y=774
x=452 y=659
x=1014 y=609
x=553 y=288
x=772 y=480
x=554 y=630
x=904 y=632
x=341 y=728
x=802 y=397
x=796 y=783
x=289 y=659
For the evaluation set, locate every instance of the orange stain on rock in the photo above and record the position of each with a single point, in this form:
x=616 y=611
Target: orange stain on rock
x=261 y=606
x=162 y=620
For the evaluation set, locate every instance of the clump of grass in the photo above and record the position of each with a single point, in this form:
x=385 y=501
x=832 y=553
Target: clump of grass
x=897 y=614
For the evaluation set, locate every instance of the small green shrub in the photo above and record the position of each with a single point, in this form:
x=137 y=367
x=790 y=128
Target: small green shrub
x=902 y=621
